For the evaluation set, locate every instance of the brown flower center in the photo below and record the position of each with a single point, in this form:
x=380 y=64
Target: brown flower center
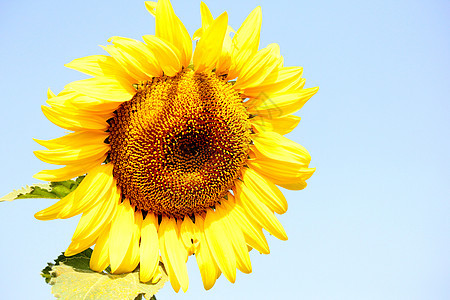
x=179 y=144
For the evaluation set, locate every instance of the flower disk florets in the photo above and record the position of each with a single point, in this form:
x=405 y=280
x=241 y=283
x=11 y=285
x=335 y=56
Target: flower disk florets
x=179 y=144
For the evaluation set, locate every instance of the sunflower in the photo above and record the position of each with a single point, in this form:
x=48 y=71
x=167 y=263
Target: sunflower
x=183 y=149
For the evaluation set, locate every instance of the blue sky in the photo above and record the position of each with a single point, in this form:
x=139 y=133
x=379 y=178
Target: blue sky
x=373 y=222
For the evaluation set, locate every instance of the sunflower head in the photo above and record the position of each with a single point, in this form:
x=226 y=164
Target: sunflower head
x=183 y=149
x=190 y=136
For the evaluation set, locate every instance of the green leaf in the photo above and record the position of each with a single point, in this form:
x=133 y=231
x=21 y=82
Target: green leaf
x=52 y=190
x=79 y=261
x=60 y=190
x=27 y=190
x=71 y=278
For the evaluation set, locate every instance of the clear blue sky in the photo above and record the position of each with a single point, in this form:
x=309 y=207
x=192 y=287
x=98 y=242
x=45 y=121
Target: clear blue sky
x=373 y=222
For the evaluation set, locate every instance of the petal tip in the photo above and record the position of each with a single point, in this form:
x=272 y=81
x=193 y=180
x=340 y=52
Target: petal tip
x=151 y=7
x=40 y=216
x=37 y=176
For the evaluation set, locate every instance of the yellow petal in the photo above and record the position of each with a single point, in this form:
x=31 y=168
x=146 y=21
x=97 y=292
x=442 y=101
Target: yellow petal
x=98 y=179
x=94 y=106
x=76 y=247
x=76 y=106
x=206 y=15
x=168 y=56
x=51 y=212
x=72 y=120
x=285 y=174
x=285 y=104
x=245 y=42
x=151 y=7
x=104 y=88
x=121 y=234
x=93 y=189
x=131 y=259
x=101 y=66
x=224 y=59
x=127 y=62
x=275 y=146
x=266 y=191
x=140 y=56
x=207 y=19
x=100 y=256
x=252 y=231
x=259 y=212
x=296 y=85
x=205 y=261
x=209 y=47
x=170 y=28
x=277 y=81
x=174 y=253
x=84 y=154
x=50 y=94
x=259 y=67
x=236 y=238
x=68 y=172
x=164 y=255
x=76 y=102
x=94 y=221
x=197 y=34
x=75 y=140
x=135 y=57
x=282 y=125
x=224 y=62
x=149 y=248
x=135 y=252
x=157 y=277
x=189 y=233
x=220 y=245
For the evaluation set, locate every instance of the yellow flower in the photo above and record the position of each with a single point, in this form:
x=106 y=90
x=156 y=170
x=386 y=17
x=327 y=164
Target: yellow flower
x=180 y=159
